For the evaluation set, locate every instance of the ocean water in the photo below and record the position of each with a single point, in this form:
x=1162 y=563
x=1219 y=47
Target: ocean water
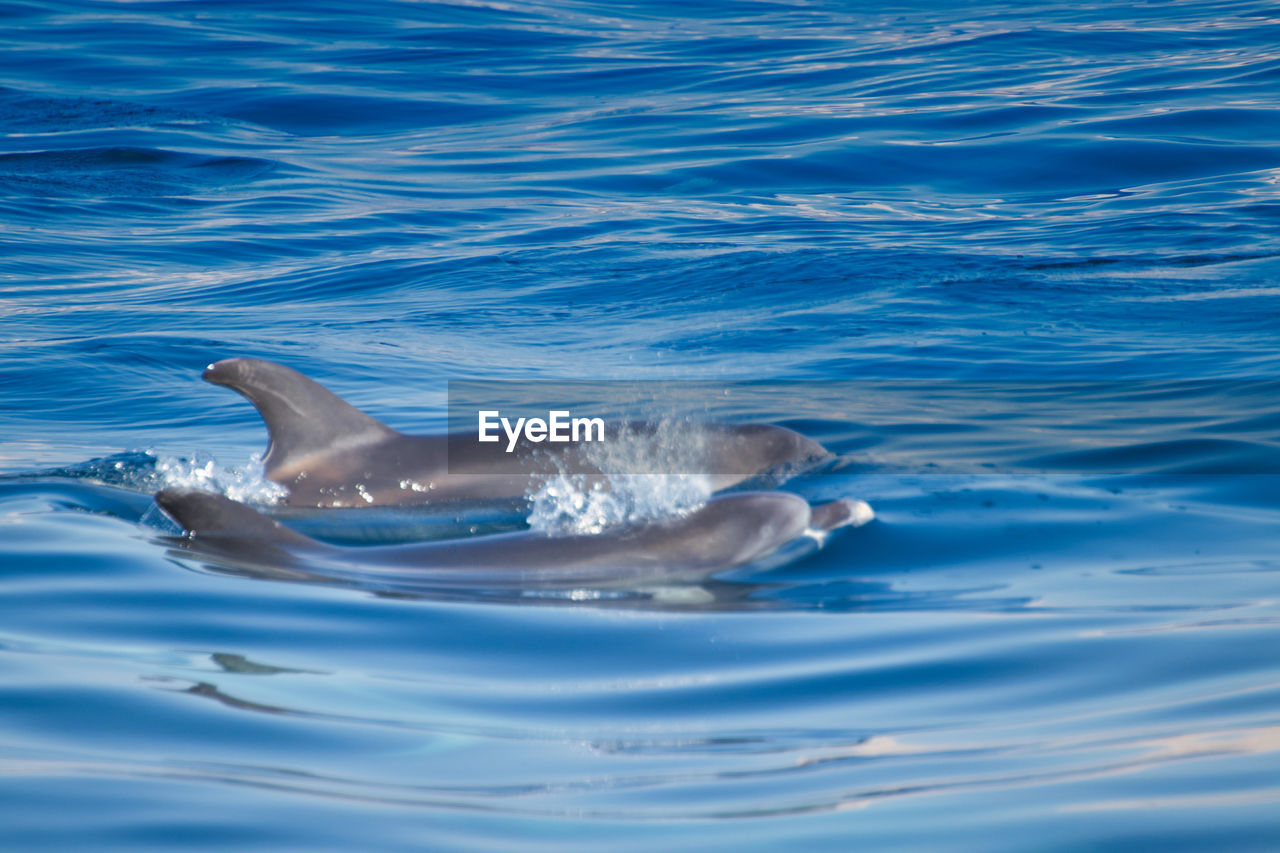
x=1016 y=265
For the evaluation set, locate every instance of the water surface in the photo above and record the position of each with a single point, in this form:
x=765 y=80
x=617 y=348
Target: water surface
x=1016 y=264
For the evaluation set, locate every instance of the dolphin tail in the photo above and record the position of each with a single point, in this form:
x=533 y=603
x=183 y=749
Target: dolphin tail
x=302 y=417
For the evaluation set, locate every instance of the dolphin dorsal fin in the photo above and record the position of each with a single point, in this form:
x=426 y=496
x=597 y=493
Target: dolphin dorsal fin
x=211 y=515
x=302 y=417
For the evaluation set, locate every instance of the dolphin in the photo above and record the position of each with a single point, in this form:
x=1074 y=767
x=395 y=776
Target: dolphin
x=327 y=453
x=728 y=531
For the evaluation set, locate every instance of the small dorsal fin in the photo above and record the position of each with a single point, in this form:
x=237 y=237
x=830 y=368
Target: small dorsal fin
x=208 y=514
x=302 y=417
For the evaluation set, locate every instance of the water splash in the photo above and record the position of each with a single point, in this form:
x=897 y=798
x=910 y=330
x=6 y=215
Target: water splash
x=245 y=483
x=628 y=493
x=147 y=471
x=570 y=504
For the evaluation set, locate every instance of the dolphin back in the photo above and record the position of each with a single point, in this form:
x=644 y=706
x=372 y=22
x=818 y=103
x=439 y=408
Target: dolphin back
x=729 y=531
x=326 y=452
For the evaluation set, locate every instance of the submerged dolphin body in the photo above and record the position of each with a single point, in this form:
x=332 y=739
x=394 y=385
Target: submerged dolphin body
x=328 y=453
x=729 y=531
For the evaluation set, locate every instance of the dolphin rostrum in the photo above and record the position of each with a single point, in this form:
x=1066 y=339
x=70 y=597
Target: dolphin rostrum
x=327 y=453
x=728 y=531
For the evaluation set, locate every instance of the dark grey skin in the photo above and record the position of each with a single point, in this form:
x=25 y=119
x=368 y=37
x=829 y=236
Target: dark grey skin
x=327 y=453
x=729 y=531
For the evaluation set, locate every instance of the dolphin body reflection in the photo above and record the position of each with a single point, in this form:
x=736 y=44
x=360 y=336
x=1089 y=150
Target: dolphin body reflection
x=727 y=532
x=328 y=453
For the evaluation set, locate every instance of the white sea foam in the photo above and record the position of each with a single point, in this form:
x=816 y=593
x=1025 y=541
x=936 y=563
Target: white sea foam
x=246 y=483
x=572 y=504
x=568 y=505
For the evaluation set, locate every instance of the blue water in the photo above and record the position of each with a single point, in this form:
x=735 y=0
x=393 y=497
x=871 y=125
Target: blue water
x=1019 y=265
